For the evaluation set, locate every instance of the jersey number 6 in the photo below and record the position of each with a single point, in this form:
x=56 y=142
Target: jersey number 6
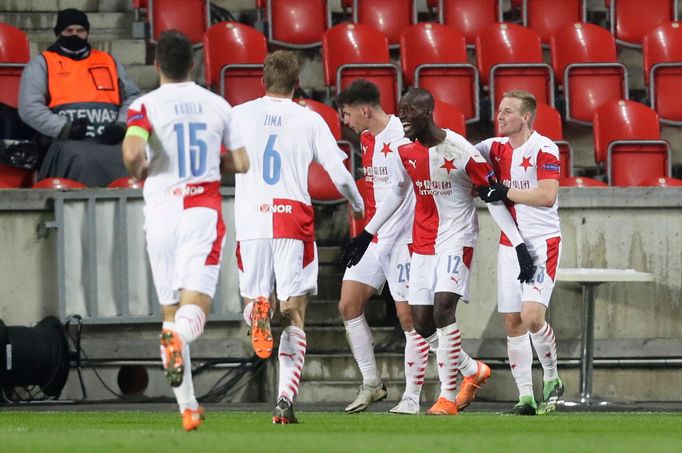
x=197 y=149
x=272 y=162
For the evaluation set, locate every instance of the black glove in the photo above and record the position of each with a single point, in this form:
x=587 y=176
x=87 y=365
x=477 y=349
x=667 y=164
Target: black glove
x=496 y=191
x=78 y=129
x=112 y=134
x=356 y=247
x=525 y=264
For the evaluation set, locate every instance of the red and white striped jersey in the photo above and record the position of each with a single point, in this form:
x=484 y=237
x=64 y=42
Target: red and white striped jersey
x=443 y=178
x=378 y=153
x=282 y=138
x=187 y=125
x=522 y=168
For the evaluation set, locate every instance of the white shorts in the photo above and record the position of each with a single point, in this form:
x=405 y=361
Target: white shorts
x=510 y=291
x=384 y=263
x=287 y=266
x=185 y=247
x=446 y=272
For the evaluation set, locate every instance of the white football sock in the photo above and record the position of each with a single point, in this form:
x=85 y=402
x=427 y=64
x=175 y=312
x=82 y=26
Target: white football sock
x=416 y=358
x=545 y=347
x=449 y=347
x=189 y=322
x=467 y=365
x=362 y=344
x=292 y=347
x=521 y=361
x=184 y=394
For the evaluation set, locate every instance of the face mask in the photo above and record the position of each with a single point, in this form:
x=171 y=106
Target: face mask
x=72 y=42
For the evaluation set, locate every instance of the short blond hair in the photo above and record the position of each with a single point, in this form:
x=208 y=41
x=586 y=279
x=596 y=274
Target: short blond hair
x=280 y=72
x=528 y=102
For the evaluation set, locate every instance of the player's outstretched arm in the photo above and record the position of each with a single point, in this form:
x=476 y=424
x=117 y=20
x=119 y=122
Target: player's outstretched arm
x=344 y=183
x=236 y=161
x=134 y=155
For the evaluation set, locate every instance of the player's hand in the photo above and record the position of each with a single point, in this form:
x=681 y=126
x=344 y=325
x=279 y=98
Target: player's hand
x=525 y=264
x=496 y=191
x=359 y=214
x=355 y=248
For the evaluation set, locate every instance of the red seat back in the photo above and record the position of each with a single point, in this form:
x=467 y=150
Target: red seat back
x=623 y=120
x=546 y=16
x=548 y=122
x=357 y=225
x=390 y=17
x=469 y=17
x=232 y=43
x=602 y=78
x=330 y=116
x=518 y=46
x=297 y=23
x=364 y=46
x=436 y=44
x=59 y=183
x=631 y=19
x=14 y=54
x=126 y=182
x=663 y=45
x=15 y=177
x=450 y=117
x=191 y=17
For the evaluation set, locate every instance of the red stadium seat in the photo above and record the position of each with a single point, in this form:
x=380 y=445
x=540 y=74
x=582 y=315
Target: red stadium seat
x=127 y=182
x=585 y=63
x=510 y=58
x=580 y=181
x=450 y=117
x=352 y=51
x=627 y=137
x=233 y=59
x=138 y=7
x=15 y=177
x=191 y=17
x=434 y=57
x=357 y=225
x=469 y=17
x=390 y=17
x=59 y=183
x=631 y=19
x=546 y=16
x=330 y=116
x=662 y=53
x=662 y=182
x=14 y=54
x=297 y=24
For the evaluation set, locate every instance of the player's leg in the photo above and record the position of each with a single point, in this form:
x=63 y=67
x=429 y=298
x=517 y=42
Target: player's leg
x=360 y=282
x=536 y=297
x=256 y=283
x=415 y=362
x=519 y=349
x=296 y=269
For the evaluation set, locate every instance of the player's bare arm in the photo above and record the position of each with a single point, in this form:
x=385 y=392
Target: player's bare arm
x=134 y=156
x=542 y=196
x=236 y=161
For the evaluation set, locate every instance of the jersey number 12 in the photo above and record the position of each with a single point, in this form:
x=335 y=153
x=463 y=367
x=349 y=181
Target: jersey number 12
x=197 y=149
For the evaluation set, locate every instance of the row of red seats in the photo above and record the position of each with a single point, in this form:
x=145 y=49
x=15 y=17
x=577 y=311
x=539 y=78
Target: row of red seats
x=15 y=178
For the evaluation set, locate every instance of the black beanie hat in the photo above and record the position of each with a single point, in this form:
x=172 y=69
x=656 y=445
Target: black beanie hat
x=68 y=17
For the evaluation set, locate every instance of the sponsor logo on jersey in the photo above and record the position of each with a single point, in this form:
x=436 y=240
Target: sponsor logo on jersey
x=187 y=191
x=516 y=184
x=433 y=187
x=276 y=208
x=412 y=162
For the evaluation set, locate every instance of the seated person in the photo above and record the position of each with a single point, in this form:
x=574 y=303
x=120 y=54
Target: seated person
x=78 y=96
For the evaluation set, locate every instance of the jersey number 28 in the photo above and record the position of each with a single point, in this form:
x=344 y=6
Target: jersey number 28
x=197 y=149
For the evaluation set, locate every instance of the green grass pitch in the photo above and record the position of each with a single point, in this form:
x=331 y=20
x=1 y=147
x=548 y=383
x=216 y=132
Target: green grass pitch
x=336 y=432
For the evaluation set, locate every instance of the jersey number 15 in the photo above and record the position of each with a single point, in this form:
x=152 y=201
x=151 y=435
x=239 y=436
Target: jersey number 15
x=197 y=149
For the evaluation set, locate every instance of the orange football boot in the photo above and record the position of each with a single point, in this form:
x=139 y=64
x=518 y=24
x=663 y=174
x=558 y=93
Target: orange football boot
x=171 y=347
x=470 y=384
x=193 y=418
x=261 y=335
x=443 y=407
